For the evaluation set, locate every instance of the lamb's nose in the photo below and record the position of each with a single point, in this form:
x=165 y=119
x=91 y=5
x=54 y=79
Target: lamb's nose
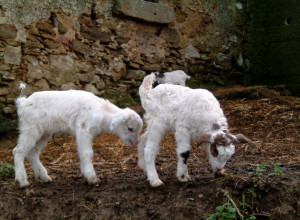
x=219 y=168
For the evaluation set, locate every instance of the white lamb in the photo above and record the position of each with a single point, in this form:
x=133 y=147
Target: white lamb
x=77 y=113
x=192 y=114
x=177 y=77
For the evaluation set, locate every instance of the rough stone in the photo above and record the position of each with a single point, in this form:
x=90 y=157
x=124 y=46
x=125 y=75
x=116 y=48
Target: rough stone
x=33 y=60
x=51 y=44
x=169 y=60
x=9 y=109
x=132 y=84
x=174 y=53
x=91 y=88
x=61 y=62
x=134 y=65
x=4 y=91
x=34 y=74
x=143 y=10
x=93 y=34
x=97 y=46
x=100 y=84
x=112 y=92
x=32 y=47
x=46 y=27
x=13 y=43
x=153 y=67
x=83 y=78
x=196 y=68
x=7 y=31
x=33 y=52
x=170 y=35
x=117 y=69
x=151 y=47
x=68 y=86
x=4 y=67
x=60 y=50
x=12 y=55
x=223 y=61
x=191 y=52
x=8 y=75
x=135 y=74
x=62 y=69
x=42 y=84
x=33 y=44
x=81 y=48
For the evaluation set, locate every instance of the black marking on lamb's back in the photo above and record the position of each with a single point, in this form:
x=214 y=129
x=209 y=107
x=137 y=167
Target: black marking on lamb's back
x=185 y=156
x=155 y=84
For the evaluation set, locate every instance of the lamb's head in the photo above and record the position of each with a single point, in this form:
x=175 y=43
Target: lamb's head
x=159 y=78
x=127 y=124
x=220 y=146
x=159 y=75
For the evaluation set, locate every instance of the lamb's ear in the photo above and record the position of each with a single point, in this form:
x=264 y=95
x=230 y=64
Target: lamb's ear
x=204 y=138
x=160 y=75
x=240 y=138
x=117 y=119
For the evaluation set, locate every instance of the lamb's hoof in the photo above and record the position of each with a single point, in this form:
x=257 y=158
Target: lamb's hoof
x=46 y=178
x=24 y=184
x=156 y=183
x=93 y=181
x=184 y=178
x=141 y=165
x=220 y=173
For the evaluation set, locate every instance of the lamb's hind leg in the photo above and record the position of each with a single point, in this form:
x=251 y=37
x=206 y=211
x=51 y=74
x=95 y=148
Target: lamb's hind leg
x=34 y=158
x=182 y=138
x=26 y=142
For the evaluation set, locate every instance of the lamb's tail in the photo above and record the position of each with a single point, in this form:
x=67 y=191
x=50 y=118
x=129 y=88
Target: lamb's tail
x=146 y=86
x=22 y=87
x=21 y=97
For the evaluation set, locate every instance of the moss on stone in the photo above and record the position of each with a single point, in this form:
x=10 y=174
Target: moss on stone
x=121 y=101
x=7 y=124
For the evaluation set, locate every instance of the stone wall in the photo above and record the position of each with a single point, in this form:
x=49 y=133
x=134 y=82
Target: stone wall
x=105 y=48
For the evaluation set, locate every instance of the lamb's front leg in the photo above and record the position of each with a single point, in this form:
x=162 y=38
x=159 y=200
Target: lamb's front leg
x=84 y=146
x=153 y=139
x=183 y=151
x=150 y=153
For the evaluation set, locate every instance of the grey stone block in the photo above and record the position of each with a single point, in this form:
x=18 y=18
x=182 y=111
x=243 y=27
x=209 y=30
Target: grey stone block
x=144 y=10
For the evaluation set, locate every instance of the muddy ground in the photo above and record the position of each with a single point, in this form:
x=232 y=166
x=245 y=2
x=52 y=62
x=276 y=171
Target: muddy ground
x=272 y=123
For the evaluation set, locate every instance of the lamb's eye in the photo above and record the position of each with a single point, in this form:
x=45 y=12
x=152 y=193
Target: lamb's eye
x=130 y=129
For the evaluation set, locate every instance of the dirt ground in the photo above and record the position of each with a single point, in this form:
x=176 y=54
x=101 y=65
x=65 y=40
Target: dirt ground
x=273 y=124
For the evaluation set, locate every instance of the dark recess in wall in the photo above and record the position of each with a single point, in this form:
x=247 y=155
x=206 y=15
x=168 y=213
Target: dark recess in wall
x=273 y=42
